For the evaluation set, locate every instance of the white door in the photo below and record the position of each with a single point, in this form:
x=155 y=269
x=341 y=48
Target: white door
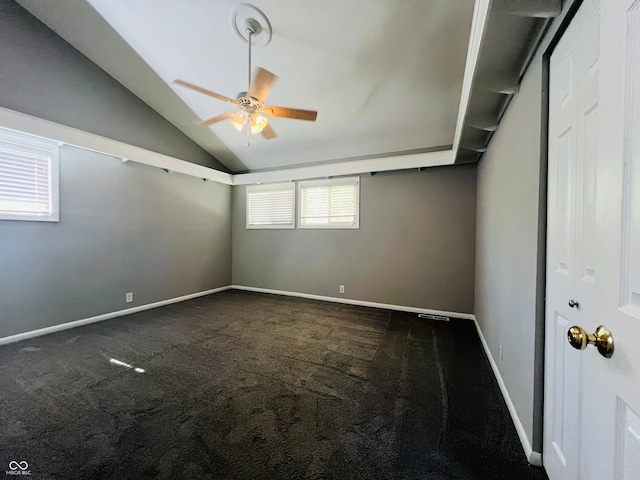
x=572 y=274
x=611 y=411
x=592 y=403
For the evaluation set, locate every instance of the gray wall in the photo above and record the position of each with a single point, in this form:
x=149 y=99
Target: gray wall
x=44 y=76
x=507 y=242
x=123 y=227
x=415 y=245
x=510 y=223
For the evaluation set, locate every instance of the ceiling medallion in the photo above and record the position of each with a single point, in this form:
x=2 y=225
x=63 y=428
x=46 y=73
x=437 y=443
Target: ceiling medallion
x=244 y=18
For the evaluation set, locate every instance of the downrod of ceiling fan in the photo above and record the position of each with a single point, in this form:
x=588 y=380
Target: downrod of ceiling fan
x=250 y=22
x=250 y=32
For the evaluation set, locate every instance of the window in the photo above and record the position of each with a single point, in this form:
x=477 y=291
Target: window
x=329 y=203
x=271 y=206
x=28 y=177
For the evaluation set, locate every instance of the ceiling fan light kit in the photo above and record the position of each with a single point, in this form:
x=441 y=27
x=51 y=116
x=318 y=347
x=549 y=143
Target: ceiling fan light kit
x=252 y=27
x=239 y=120
x=257 y=122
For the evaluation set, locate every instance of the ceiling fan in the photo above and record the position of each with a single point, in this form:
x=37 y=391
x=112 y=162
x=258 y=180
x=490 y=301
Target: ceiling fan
x=251 y=113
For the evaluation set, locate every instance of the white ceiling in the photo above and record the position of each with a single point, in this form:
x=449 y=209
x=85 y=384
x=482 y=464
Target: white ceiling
x=385 y=77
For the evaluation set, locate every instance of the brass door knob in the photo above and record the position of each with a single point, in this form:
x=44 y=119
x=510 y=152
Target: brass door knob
x=602 y=339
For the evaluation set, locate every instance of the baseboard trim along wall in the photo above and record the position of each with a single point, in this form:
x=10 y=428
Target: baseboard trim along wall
x=99 y=318
x=360 y=303
x=534 y=458
x=106 y=316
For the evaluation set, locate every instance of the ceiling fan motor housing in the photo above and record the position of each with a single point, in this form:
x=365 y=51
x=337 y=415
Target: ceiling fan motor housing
x=247 y=103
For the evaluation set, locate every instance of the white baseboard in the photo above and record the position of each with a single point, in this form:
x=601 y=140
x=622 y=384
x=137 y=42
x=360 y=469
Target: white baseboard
x=534 y=458
x=106 y=316
x=360 y=303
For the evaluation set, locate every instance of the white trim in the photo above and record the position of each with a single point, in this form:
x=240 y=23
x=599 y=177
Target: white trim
x=353 y=167
x=63 y=134
x=478 y=24
x=534 y=458
x=361 y=303
x=107 y=316
x=21 y=122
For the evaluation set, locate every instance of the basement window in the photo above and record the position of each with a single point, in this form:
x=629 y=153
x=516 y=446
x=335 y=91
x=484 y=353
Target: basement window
x=28 y=177
x=271 y=206
x=330 y=203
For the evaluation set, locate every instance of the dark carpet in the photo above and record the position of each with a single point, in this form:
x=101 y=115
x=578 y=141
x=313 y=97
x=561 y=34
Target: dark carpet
x=240 y=385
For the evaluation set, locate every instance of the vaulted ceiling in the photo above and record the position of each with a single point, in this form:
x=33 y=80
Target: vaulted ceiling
x=390 y=80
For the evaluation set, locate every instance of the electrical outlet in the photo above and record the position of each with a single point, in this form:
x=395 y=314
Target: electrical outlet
x=501 y=355
x=341 y=288
x=128 y=297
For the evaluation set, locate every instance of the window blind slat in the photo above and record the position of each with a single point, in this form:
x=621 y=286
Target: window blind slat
x=25 y=196
x=25 y=180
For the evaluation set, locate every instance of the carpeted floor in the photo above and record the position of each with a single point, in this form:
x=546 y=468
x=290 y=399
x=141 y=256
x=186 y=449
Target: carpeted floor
x=240 y=385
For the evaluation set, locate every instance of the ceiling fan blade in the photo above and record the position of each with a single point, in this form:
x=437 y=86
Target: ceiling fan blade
x=217 y=119
x=261 y=84
x=203 y=90
x=268 y=133
x=295 y=113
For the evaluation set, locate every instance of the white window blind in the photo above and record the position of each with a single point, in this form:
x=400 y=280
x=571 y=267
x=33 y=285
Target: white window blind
x=329 y=203
x=28 y=178
x=271 y=206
